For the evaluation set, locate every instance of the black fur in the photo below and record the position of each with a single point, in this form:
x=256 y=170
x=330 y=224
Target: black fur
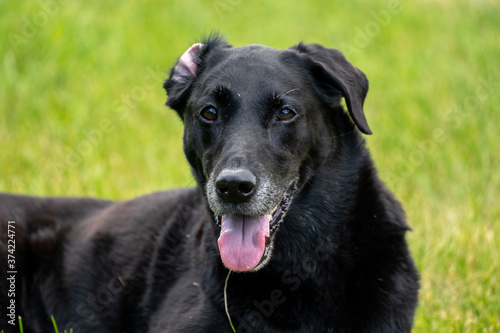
x=340 y=262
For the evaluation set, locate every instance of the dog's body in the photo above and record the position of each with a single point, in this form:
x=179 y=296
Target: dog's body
x=288 y=198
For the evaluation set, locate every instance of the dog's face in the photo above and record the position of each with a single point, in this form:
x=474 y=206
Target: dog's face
x=257 y=122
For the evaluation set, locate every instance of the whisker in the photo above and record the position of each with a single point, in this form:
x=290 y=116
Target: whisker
x=285 y=93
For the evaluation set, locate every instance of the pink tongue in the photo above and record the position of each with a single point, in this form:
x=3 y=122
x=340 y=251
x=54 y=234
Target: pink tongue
x=242 y=240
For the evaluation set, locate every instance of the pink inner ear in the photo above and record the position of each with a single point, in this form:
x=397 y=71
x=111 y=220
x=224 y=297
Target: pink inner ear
x=186 y=67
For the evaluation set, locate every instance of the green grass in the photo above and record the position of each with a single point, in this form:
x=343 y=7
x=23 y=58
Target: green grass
x=81 y=113
x=56 y=329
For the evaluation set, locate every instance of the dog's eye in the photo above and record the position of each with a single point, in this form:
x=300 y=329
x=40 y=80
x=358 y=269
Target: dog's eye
x=286 y=114
x=209 y=113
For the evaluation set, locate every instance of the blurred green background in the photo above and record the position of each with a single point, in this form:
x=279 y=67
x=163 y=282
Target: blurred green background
x=81 y=113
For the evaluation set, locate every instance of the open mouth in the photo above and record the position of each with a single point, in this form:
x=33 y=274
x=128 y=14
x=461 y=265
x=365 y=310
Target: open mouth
x=246 y=242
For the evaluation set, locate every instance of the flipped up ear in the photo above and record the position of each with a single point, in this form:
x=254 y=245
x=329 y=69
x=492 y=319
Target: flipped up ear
x=182 y=76
x=331 y=71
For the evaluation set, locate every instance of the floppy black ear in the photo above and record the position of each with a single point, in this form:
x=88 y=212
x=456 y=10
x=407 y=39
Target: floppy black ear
x=182 y=77
x=187 y=69
x=331 y=71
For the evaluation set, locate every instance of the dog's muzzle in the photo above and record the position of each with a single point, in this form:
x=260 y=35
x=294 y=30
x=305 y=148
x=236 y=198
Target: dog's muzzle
x=246 y=241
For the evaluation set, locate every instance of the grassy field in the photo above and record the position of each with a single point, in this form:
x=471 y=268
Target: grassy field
x=81 y=113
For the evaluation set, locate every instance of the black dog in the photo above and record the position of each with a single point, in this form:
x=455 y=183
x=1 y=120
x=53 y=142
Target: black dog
x=288 y=199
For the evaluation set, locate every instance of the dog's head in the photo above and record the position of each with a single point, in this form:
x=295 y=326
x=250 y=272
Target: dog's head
x=258 y=122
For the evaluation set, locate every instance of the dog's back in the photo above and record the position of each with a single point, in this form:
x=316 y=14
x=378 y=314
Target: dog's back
x=82 y=259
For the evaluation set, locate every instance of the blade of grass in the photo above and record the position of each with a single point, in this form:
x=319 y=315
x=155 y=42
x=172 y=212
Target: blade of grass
x=54 y=323
x=225 y=301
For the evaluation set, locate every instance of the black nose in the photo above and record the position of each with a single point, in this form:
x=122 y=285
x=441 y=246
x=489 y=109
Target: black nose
x=235 y=186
